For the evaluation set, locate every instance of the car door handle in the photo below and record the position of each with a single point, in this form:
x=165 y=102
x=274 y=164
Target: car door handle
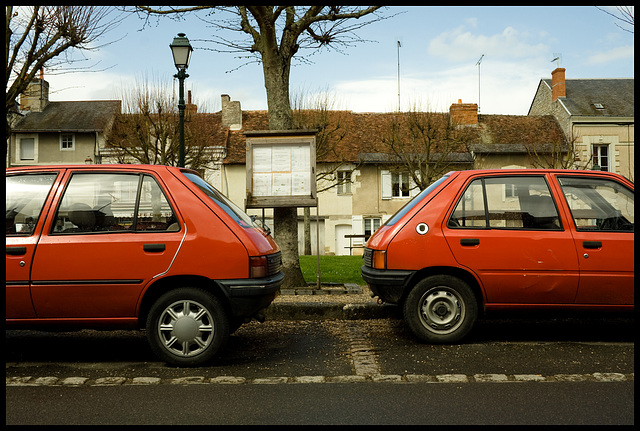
x=16 y=251
x=469 y=241
x=153 y=248
x=592 y=244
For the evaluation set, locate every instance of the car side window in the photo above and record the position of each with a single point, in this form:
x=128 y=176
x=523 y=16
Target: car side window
x=599 y=204
x=510 y=202
x=110 y=202
x=471 y=210
x=25 y=198
x=154 y=211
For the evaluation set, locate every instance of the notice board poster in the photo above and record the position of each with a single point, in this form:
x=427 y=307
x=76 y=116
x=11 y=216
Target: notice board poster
x=281 y=169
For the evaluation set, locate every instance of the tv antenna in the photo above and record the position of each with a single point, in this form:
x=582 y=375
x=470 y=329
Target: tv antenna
x=557 y=57
x=399 y=46
x=478 y=64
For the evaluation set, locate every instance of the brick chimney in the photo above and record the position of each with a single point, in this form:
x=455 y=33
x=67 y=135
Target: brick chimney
x=231 y=113
x=464 y=114
x=190 y=108
x=558 y=87
x=36 y=96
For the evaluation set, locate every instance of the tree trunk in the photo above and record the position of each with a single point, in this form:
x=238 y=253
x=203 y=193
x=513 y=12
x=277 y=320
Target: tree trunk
x=285 y=222
x=276 y=81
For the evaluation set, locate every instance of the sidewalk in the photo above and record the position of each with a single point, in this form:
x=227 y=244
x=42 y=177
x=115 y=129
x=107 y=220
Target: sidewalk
x=345 y=302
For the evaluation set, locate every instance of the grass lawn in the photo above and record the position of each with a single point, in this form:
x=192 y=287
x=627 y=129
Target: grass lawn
x=333 y=269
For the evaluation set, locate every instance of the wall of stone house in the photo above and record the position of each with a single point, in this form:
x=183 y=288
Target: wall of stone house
x=541 y=104
x=620 y=140
x=368 y=198
x=501 y=161
x=48 y=149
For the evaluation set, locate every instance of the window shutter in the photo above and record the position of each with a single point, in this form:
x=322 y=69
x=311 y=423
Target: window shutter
x=414 y=190
x=357 y=228
x=385 y=181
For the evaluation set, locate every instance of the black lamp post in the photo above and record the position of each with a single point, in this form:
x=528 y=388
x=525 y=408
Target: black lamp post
x=181 y=49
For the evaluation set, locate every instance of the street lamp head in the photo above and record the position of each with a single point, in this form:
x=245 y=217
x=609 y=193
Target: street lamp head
x=181 y=49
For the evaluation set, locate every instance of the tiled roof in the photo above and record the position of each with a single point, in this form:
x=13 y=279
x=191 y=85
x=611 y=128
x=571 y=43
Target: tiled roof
x=616 y=95
x=357 y=137
x=516 y=133
x=90 y=116
x=360 y=134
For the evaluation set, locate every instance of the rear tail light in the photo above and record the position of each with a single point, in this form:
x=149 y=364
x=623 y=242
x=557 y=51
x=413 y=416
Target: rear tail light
x=265 y=266
x=258 y=267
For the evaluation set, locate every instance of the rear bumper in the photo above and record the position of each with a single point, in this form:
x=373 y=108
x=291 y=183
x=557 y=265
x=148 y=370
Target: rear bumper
x=388 y=285
x=250 y=295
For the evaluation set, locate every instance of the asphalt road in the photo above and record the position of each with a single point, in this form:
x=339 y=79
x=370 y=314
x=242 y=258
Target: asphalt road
x=525 y=371
x=330 y=404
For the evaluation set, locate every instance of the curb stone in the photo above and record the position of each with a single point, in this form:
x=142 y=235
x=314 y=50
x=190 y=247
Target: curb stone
x=375 y=378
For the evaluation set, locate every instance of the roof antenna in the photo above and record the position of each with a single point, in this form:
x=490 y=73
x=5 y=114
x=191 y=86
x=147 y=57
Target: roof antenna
x=398 y=49
x=557 y=58
x=478 y=64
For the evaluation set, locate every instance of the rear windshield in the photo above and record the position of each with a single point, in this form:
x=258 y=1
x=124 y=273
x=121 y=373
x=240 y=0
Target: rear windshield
x=221 y=200
x=413 y=202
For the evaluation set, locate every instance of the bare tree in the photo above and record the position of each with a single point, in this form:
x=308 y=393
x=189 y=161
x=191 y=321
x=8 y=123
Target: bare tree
x=45 y=36
x=319 y=113
x=425 y=144
x=558 y=154
x=624 y=14
x=147 y=129
x=273 y=35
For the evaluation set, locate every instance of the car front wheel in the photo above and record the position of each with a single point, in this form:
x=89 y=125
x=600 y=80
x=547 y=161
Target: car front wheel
x=187 y=327
x=440 y=309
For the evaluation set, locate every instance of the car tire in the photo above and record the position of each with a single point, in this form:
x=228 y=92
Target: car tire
x=187 y=327
x=440 y=309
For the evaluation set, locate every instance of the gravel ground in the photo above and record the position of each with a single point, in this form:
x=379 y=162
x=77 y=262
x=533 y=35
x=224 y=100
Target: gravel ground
x=327 y=295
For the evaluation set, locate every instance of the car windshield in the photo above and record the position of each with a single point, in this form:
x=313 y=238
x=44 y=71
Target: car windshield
x=222 y=201
x=413 y=202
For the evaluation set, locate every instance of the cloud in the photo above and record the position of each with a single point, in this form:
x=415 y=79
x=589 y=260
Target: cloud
x=461 y=45
x=505 y=88
x=619 y=53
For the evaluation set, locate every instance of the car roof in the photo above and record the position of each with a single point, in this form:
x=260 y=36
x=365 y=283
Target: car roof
x=517 y=171
x=128 y=167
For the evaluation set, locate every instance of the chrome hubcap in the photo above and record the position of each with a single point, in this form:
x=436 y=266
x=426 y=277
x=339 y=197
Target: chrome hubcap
x=441 y=310
x=186 y=328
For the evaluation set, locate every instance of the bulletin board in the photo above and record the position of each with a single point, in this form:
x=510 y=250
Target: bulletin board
x=281 y=167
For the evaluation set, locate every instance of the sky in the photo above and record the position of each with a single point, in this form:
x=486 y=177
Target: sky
x=436 y=62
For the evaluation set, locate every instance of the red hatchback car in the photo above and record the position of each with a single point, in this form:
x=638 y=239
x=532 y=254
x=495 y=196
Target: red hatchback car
x=134 y=246
x=496 y=239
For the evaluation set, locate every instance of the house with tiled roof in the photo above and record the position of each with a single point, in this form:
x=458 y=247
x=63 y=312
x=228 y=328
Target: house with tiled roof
x=596 y=116
x=46 y=133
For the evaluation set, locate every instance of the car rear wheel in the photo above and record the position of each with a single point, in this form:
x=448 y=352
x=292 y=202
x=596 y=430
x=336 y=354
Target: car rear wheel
x=441 y=309
x=187 y=327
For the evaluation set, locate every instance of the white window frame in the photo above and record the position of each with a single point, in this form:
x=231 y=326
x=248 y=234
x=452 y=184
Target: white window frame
x=596 y=150
x=18 y=153
x=386 y=182
x=73 y=142
x=343 y=179
x=369 y=225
